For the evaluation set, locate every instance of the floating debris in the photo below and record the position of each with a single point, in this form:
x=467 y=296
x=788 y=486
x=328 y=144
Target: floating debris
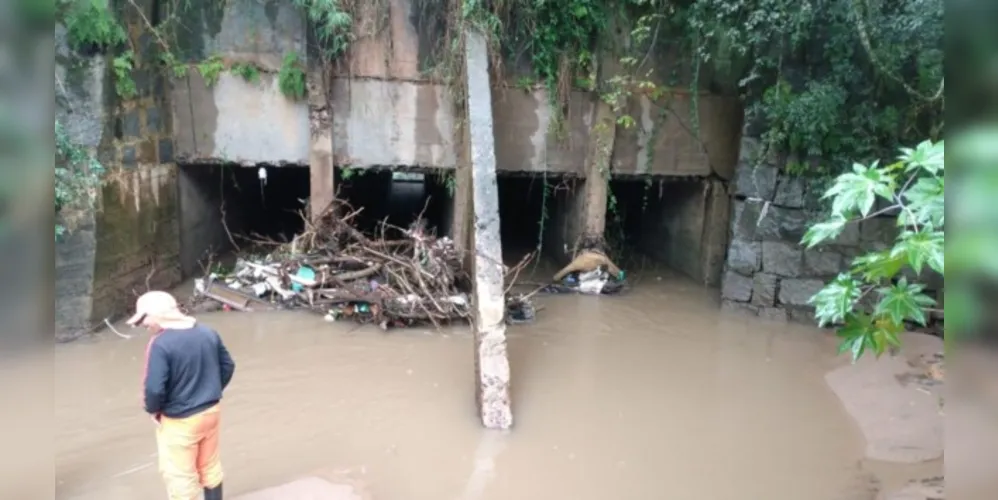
x=596 y=282
x=333 y=269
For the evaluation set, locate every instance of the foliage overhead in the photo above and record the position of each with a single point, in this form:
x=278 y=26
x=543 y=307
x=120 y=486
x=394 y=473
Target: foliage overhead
x=874 y=300
x=291 y=77
x=822 y=78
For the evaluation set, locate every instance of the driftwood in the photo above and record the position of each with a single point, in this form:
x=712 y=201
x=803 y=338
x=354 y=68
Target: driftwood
x=334 y=269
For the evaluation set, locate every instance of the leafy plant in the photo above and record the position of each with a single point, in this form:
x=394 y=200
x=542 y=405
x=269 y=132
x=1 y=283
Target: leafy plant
x=211 y=70
x=122 y=66
x=91 y=26
x=332 y=23
x=175 y=66
x=913 y=188
x=348 y=172
x=291 y=77
x=246 y=71
x=78 y=177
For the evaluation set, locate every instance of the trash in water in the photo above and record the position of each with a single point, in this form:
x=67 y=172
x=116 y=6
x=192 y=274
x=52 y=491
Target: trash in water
x=333 y=269
x=595 y=282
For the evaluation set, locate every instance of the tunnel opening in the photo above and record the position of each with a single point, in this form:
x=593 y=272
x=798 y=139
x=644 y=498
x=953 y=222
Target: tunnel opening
x=533 y=216
x=232 y=208
x=391 y=201
x=664 y=224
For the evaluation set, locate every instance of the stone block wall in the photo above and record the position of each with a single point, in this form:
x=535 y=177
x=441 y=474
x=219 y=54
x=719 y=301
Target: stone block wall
x=767 y=272
x=79 y=96
x=131 y=242
x=137 y=228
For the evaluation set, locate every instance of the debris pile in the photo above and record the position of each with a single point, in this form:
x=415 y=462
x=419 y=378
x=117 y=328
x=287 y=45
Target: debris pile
x=408 y=278
x=595 y=282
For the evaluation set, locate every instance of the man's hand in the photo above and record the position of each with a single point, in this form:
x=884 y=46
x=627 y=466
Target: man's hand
x=155 y=419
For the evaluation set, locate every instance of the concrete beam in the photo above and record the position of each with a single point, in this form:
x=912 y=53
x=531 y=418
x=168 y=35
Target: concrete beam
x=491 y=362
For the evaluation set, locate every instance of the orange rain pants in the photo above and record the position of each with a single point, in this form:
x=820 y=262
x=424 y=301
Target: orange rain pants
x=188 y=454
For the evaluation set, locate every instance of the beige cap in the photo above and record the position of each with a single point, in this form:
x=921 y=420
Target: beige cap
x=162 y=308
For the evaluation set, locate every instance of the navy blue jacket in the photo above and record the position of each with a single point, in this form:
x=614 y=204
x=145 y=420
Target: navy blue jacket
x=186 y=371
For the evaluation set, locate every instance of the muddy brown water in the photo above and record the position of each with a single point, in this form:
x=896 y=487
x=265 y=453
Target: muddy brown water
x=646 y=396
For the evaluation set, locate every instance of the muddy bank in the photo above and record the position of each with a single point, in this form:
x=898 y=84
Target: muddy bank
x=643 y=396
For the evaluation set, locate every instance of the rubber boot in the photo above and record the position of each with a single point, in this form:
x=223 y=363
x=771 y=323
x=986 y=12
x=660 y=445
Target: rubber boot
x=213 y=493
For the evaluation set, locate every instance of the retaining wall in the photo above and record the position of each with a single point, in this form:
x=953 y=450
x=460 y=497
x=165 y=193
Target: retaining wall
x=767 y=272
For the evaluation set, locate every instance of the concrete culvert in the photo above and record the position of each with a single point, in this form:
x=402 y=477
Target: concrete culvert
x=397 y=198
x=530 y=217
x=667 y=222
x=223 y=207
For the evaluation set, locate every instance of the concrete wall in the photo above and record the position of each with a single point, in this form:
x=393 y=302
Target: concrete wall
x=80 y=85
x=685 y=228
x=665 y=140
x=202 y=233
x=386 y=123
x=234 y=120
x=767 y=272
x=132 y=241
x=385 y=110
x=523 y=125
x=662 y=142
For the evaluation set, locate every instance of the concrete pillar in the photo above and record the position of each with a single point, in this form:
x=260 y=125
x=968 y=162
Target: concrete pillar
x=597 y=168
x=717 y=206
x=322 y=170
x=491 y=362
x=461 y=214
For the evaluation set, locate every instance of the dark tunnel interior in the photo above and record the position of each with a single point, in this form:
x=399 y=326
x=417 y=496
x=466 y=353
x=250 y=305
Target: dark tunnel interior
x=529 y=215
x=224 y=208
x=396 y=198
x=653 y=222
x=649 y=222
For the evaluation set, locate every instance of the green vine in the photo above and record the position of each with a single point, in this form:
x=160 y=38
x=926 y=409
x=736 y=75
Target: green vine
x=832 y=82
x=122 y=66
x=546 y=189
x=332 y=23
x=291 y=77
x=247 y=72
x=91 y=27
x=78 y=178
x=450 y=182
x=211 y=70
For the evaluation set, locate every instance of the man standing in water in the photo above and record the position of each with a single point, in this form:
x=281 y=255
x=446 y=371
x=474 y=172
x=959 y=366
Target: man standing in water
x=187 y=368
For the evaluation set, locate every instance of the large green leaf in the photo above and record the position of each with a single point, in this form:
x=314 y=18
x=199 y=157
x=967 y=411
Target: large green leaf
x=857 y=191
x=856 y=334
x=903 y=301
x=924 y=199
x=836 y=300
x=877 y=266
x=823 y=231
x=928 y=156
x=926 y=246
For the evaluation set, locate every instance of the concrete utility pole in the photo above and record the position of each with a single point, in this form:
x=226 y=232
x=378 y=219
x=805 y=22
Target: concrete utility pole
x=491 y=361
